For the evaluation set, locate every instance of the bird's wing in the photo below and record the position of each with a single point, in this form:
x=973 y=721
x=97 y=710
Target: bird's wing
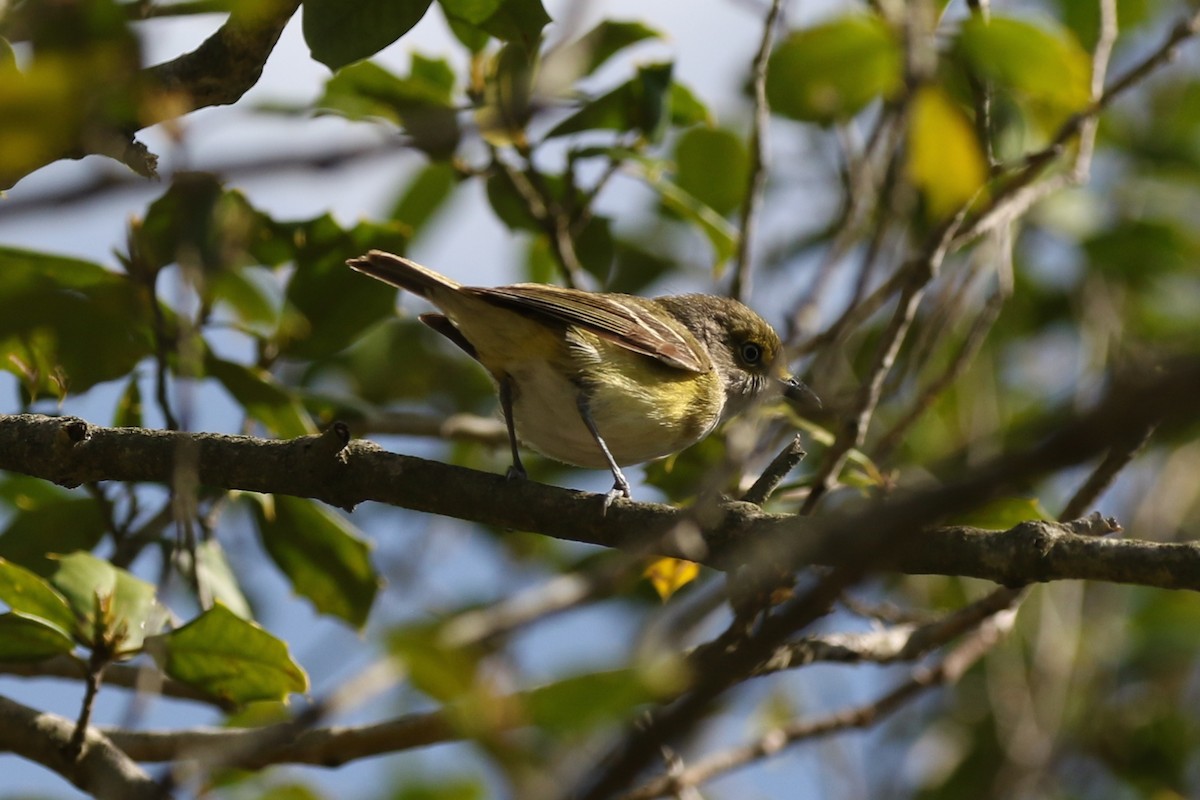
x=609 y=316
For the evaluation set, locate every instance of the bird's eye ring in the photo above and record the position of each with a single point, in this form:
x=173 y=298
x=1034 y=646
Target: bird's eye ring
x=751 y=352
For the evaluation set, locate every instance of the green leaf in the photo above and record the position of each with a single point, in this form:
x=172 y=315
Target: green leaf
x=833 y=70
x=340 y=33
x=249 y=301
x=945 y=160
x=214 y=573
x=686 y=108
x=1004 y=513
x=713 y=166
x=328 y=305
x=580 y=703
x=424 y=196
x=518 y=21
x=447 y=674
x=229 y=658
x=65 y=324
x=637 y=105
x=1049 y=68
x=326 y=558
x=64 y=525
x=719 y=232
x=130 y=610
x=31 y=638
x=474 y=12
x=603 y=42
x=28 y=593
x=422 y=101
x=128 y=413
x=263 y=399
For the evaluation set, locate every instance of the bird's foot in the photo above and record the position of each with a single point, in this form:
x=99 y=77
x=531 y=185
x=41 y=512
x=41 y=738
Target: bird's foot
x=516 y=473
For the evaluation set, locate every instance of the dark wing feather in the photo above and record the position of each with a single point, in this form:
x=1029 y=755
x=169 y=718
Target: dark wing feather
x=610 y=316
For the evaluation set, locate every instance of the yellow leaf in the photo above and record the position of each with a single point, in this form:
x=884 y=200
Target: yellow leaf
x=944 y=158
x=669 y=575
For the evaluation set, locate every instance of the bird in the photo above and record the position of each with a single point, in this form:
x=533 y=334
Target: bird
x=602 y=379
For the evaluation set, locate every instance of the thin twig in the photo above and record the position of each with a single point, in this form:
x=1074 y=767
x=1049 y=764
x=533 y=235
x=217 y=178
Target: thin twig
x=739 y=287
x=776 y=471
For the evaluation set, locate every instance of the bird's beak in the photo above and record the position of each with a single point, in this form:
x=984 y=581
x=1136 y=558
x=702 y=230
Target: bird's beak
x=799 y=395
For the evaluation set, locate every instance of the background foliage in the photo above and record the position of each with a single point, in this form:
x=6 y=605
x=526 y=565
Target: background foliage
x=963 y=218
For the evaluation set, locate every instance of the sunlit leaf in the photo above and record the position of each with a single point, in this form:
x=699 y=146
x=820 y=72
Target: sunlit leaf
x=588 y=53
x=229 y=658
x=326 y=558
x=669 y=575
x=1048 y=67
x=25 y=637
x=944 y=158
x=76 y=322
x=713 y=166
x=30 y=594
x=215 y=574
x=833 y=70
x=127 y=604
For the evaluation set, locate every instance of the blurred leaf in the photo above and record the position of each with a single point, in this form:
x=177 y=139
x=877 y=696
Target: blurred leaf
x=229 y=658
x=26 y=493
x=719 y=232
x=422 y=102
x=341 y=33
x=669 y=575
x=832 y=71
x=30 y=638
x=474 y=12
x=508 y=203
x=1004 y=513
x=636 y=268
x=130 y=610
x=441 y=788
x=263 y=399
x=507 y=103
x=128 y=413
x=518 y=21
x=290 y=791
x=1083 y=19
x=686 y=108
x=327 y=559
x=444 y=673
x=1135 y=251
x=250 y=304
x=594 y=247
x=944 y=158
x=328 y=304
x=216 y=575
x=72 y=323
x=65 y=525
x=424 y=196
x=582 y=702
x=713 y=166
x=30 y=594
x=601 y=43
x=1047 y=67
x=640 y=104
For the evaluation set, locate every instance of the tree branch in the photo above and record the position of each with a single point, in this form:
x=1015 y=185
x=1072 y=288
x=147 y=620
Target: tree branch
x=101 y=769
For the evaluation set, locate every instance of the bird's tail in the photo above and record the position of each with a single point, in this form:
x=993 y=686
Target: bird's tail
x=402 y=273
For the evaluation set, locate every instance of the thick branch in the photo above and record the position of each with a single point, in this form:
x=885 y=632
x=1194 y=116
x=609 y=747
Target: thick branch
x=71 y=452
x=101 y=769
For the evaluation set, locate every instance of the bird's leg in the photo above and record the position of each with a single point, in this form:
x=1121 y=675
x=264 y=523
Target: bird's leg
x=620 y=485
x=517 y=470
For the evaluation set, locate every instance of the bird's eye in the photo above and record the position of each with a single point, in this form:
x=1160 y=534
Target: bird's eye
x=751 y=353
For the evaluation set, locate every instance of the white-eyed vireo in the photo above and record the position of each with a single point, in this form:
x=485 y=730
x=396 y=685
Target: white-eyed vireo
x=600 y=379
